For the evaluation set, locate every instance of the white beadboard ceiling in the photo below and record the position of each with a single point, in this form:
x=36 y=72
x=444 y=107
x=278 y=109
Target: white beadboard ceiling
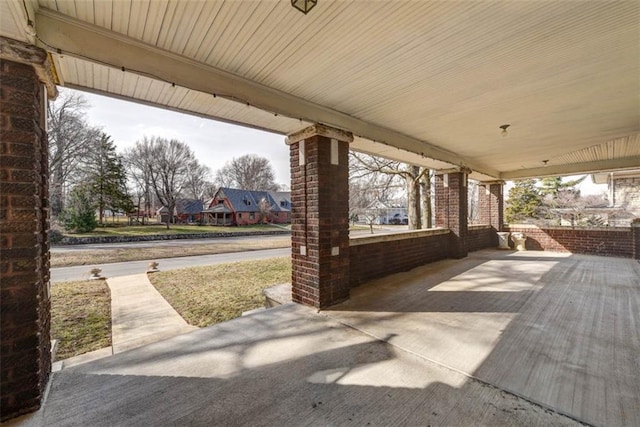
x=428 y=82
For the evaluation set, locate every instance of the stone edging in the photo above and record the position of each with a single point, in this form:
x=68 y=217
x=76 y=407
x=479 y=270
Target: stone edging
x=66 y=241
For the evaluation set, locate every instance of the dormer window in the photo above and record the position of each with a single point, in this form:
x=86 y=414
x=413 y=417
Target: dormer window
x=221 y=202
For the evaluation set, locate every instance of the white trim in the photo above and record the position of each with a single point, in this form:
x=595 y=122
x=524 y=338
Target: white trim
x=335 y=152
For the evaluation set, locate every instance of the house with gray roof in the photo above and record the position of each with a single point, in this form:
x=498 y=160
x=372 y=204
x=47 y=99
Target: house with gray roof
x=231 y=206
x=186 y=211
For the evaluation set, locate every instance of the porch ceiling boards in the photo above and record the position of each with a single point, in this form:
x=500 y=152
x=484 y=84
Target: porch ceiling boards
x=416 y=81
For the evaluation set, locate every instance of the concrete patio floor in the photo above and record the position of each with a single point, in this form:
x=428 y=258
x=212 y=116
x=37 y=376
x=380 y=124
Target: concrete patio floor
x=561 y=330
x=476 y=341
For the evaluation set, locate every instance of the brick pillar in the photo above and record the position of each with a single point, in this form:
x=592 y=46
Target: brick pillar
x=320 y=215
x=491 y=207
x=25 y=357
x=635 y=234
x=451 y=209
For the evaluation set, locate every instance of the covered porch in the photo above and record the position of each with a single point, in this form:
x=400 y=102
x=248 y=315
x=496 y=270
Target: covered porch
x=427 y=83
x=218 y=215
x=498 y=338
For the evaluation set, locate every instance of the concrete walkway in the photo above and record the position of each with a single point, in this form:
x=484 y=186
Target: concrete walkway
x=140 y=315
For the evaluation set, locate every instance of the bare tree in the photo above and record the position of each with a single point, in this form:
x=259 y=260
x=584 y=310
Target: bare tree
x=140 y=181
x=265 y=209
x=70 y=138
x=248 y=172
x=411 y=174
x=569 y=205
x=166 y=164
x=197 y=181
x=360 y=199
x=209 y=189
x=426 y=197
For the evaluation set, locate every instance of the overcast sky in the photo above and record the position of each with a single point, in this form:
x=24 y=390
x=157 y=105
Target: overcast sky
x=214 y=143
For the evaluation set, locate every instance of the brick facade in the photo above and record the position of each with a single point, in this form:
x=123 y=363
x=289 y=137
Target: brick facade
x=24 y=224
x=626 y=194
x=635 y=230
x=481 y=237
x=372 y=257
x=320 y=216
x=609 y=241
x=451 y=209
x=491 y=207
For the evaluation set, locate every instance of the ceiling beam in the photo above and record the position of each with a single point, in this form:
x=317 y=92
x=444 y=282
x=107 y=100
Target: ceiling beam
x=574 y=168
x=68 y=36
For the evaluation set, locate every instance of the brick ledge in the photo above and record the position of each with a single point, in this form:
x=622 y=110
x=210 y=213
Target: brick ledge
x=401 y=235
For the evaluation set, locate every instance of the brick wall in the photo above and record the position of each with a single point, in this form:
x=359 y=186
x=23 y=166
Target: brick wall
x=480 y=237
x=608 y=241
x=24 y=266
x=372 y=257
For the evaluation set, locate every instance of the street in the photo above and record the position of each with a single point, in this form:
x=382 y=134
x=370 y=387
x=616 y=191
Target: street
x=162 y=243
x=81 y=272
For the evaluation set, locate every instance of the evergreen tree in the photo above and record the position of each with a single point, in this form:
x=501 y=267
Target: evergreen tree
x=553 y=185
x=523 y=201
x=79 y=213
x=107 y=177
x=550 y=186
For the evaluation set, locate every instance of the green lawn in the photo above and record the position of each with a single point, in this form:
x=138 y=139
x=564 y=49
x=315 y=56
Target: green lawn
x=142 y=230
x=81 y=311
x=211 y=294
x=80 y=317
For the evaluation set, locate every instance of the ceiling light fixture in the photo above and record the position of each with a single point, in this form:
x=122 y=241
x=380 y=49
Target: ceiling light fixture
x=545 y=162
x=304 y=6
x=504 y=130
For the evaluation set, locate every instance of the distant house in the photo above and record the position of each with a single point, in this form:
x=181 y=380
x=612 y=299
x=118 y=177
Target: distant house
x=383 y=213
x=623 y=194
x=231 y=206
x=186 y=211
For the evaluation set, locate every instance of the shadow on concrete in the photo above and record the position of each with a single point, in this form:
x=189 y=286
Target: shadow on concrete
x=569 y=341
x=560 y=330
x=323 y=374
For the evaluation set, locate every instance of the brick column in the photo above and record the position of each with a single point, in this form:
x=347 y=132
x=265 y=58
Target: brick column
x=451 y=209
x=25 y=356
x=491 y=207
x=635 y=235
x=320 y=215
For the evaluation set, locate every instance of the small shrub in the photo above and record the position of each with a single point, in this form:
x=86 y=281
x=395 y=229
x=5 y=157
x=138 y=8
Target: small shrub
x=79 y=215
x=55 y=235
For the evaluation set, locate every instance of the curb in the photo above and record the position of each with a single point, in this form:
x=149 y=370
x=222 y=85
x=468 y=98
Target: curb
x=70 y=241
